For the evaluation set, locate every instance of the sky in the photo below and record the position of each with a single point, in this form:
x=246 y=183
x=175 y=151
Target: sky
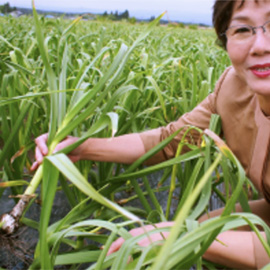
x=195 y=11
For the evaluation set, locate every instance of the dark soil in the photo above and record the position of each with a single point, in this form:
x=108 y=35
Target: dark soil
x=16 y=251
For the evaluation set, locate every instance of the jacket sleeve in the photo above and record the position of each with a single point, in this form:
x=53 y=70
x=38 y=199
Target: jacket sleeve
x=199 y=117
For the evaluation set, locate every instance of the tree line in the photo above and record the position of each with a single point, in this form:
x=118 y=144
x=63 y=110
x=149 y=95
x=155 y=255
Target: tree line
x=6 y=8
x=116 y=16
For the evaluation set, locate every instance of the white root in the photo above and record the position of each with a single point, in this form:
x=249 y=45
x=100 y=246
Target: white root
x=10 y=222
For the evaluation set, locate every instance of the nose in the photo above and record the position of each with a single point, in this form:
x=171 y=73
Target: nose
x=261 y=43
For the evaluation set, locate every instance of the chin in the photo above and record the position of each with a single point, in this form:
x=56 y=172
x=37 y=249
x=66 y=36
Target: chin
x=261 y=89
x=259 y=86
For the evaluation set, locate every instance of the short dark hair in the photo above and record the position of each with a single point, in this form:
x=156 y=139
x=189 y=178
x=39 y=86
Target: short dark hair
x=222 y=13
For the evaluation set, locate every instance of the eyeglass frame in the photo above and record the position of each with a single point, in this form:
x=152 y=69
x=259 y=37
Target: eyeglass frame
x=253 y=28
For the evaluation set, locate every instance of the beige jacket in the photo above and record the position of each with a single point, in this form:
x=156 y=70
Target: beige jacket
x=244 y=126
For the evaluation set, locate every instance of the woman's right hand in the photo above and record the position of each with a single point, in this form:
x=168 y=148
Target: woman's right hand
x=42 y=149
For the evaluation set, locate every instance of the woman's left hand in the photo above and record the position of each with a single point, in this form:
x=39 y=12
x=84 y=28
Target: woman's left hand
x=147 y=240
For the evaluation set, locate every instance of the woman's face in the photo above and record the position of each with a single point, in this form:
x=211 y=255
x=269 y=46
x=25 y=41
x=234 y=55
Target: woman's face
x=251 y=58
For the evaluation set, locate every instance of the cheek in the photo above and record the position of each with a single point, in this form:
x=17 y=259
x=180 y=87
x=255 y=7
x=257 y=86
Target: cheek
x=237 y=55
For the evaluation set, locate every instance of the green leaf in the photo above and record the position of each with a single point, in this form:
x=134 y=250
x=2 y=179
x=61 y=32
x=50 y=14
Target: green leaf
x=160 y=262
x=77 y=257
x=66 y=167
x=49 y=184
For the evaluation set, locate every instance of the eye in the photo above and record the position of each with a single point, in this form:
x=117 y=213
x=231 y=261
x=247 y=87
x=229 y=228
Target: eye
x=241 y=30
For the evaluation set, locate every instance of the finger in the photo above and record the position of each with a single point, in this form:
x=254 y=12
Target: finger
x=41 y=143
x=60 y=146
x=34 y=166
x=153 y=238
x=38 y=155
x=68 y=141
x=73 y=158
x=116 y=245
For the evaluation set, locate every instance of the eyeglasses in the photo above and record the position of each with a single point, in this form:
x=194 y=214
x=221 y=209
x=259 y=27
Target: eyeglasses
x=241 y=33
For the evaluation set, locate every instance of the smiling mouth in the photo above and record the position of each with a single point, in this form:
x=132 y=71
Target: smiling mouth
x=261 y=71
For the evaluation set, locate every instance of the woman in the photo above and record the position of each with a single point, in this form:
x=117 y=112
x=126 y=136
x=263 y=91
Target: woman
x=242 y=99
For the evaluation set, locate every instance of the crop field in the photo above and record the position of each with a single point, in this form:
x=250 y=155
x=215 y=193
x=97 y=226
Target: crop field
x=104 y=79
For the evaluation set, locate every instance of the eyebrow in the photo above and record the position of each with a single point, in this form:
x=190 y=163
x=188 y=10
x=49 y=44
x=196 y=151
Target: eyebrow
x=246 y=18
